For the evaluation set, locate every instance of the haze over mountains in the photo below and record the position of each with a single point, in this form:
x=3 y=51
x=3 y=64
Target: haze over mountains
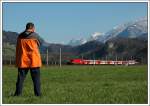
x=125 y=41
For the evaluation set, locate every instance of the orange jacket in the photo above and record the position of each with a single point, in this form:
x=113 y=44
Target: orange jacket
x=27 y=51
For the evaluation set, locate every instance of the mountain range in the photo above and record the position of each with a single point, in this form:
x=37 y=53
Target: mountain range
x=138 y=28
x=126 y=41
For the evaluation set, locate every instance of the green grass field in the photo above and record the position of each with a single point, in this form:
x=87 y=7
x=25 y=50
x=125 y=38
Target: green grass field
x=81 y=85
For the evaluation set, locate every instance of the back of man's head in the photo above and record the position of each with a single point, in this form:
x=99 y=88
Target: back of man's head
x=29 y=25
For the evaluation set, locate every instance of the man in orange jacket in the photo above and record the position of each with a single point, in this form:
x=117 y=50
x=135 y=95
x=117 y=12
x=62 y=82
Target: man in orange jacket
x=28 y=58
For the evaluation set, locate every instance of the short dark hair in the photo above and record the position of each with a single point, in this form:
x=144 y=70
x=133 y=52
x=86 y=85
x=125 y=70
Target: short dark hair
x=29 y=25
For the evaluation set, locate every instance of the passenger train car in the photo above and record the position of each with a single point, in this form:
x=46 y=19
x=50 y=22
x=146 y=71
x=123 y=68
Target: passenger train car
x=102 y=62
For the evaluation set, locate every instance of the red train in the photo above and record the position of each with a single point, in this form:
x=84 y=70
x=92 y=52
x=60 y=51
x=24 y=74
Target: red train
x=102 y=62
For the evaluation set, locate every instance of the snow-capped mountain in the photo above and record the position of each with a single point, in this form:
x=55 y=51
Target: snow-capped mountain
x=130 y=30
x=95 y=36
x=76 y=42
x=134 y=29
x=137 y=29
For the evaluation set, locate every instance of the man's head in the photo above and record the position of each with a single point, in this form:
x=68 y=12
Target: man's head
x=30 y=27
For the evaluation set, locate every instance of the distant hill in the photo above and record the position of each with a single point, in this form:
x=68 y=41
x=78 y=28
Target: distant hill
x=9 y=37
x=9 y=43
x=128 y=48
x=122 y=48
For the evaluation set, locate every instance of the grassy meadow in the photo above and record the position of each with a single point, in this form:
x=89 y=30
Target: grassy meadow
x=81 y=85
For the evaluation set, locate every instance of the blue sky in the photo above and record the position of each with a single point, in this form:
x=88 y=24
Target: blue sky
x=61 y=22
